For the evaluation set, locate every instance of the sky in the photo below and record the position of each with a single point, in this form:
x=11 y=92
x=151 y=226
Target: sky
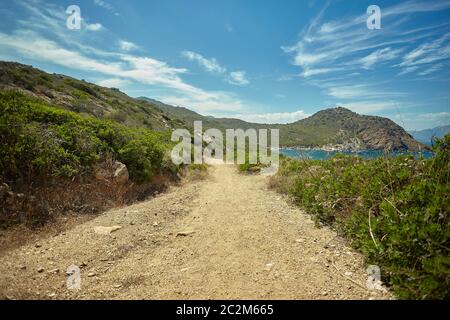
x=261 y=61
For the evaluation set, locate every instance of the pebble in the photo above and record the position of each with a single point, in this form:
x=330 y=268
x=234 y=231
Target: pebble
x=40 y=270
x=268 y=266
x=185 y=233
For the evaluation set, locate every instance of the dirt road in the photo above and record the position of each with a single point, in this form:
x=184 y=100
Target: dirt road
x=225 y=237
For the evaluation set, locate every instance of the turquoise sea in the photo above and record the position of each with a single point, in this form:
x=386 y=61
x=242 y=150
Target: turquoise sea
x=317 y=154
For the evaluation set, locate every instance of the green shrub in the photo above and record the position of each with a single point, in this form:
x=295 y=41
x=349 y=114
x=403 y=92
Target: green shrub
x=407 y=201
x=39 y=141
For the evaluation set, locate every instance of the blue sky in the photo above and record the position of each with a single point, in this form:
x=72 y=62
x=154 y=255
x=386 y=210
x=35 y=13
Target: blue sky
x=263 y=61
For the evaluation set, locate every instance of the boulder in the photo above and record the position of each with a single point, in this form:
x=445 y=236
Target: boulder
x=117 y=172
x=120 y=173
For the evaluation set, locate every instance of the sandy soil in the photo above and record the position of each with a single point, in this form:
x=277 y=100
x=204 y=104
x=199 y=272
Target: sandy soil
x=225 y=237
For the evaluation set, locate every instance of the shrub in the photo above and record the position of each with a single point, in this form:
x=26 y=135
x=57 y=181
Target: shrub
x=42 y=141
x=406 y=200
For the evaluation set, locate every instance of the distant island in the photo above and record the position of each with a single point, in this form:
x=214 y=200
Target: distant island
x=426 y=136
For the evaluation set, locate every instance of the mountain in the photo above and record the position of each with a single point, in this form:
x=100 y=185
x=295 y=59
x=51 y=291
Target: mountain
x=336 y=129
x=427 y=135
x=189 y=116
x=341 y=129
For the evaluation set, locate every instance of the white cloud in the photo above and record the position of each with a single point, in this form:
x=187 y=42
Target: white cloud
x=408 y=70
x=113 y=83
x=144 y=70
x=431 y=69
x=378 y=56
x=309 y=72
x=370 y=106
x=279 y=117
x=428 y=52
x=127 y=45
x=106 y=5
x=420 y=121
x=94 y=27
x=205 y=103
x=31 y=42
x=238 y=78
x=332 y=46
x=210 y=65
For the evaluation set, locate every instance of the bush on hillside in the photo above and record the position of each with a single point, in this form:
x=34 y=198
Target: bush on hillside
x=38 y=142
x=407 y=201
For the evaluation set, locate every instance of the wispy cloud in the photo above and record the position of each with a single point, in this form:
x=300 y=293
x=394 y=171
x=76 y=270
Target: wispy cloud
x=94 y=27
x=420 y=121
x=238 y=78
x=344 y=59
x=127 y=45
x=333 y=46
x=41 y=43
x=278 y=117
x=380 y=55
x=113 y=82
x=431 y=69
x=428 y=52
x=370 y=107
x=210 y=65
x=106 y=5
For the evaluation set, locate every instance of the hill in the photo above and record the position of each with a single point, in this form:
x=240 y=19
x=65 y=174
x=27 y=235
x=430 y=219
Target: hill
x=427 y=135
x=333 y=129
x=341 y=129
x=84 y=97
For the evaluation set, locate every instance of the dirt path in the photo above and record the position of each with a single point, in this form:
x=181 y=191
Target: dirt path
x=242 y=241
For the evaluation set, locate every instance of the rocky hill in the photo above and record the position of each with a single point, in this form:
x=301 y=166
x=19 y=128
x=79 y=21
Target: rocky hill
x=341 y=129
x=84 y=97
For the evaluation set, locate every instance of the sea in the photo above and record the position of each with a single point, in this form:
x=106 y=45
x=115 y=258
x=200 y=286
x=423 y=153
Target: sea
x=317 y=154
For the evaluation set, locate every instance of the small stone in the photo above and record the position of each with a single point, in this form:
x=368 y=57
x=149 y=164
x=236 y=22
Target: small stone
x=91 y=274
x=300 y=240
x=348 y=274
x=324 y=293
x=37 y=245
x=268 y=266
x=54 y=271
x=51 y=295
x=106 y=230
x=22 y=267
x=155 y=224
x=185 y=233
x=40 y=270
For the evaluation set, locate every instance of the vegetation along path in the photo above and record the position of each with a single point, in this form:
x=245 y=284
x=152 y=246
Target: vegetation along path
x=225 y=237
